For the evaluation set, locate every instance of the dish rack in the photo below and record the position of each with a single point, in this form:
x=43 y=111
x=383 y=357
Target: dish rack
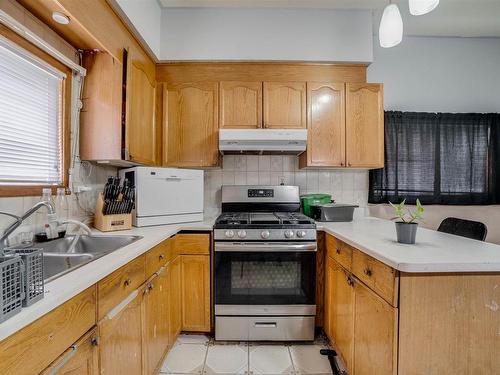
x=33 y=273
x=21 y=280
x=11 y=286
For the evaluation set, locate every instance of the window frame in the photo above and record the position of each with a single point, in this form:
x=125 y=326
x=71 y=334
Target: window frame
x=66 y=95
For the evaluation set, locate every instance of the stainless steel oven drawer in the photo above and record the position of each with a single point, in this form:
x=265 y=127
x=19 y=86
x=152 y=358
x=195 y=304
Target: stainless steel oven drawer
x=290 y=328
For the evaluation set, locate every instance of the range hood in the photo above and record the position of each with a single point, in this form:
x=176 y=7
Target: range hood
x=262 y=141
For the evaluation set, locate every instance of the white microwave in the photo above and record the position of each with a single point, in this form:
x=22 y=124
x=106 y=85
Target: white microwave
x=165 y=195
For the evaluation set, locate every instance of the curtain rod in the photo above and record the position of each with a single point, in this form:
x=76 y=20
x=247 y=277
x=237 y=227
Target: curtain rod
x=23 y=31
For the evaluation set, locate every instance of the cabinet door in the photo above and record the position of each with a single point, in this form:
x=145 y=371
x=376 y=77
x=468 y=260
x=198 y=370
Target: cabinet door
x=240 y=105
x=326 y=126
x=81 y=359
x=342 y=313
x=285 y=105
x=140 y=114
x=120 y=346
x=156 y=322
x=174 y=272
x=190 y=132
x=375 y=333
x=101 y=114
x=329 y=273
x=364 y=125
x=195 y=271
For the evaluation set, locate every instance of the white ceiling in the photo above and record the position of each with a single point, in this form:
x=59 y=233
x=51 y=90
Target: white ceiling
x=460 y=18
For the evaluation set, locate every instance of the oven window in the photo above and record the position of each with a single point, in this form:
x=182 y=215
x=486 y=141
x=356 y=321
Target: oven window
x=263 y=278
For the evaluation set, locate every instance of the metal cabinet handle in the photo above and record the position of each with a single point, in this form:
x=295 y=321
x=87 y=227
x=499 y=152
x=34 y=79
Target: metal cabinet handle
x=161 y=257
x=70 y=354
x=368 y=272
x=127 y=282
x=338 y=250
x=350 y=281
x=94 y=341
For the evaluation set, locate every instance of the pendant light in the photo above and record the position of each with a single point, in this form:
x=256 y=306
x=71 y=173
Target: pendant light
x=419 y=7
x=390 y=32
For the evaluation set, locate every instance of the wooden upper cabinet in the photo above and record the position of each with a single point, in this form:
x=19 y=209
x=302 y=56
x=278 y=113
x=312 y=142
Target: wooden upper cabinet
x=285 y=105
x=140 y=113
x=240 y=105
x=326 y=126
x=101 y=114
x=191 y=126
x=364 y=125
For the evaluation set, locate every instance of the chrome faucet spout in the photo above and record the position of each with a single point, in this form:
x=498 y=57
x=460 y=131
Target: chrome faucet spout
x=19 y=220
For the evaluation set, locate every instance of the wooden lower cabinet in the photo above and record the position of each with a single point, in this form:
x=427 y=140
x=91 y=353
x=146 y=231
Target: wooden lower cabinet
x=156 y=322
x=82 y=358
x=362 y=325
x=120 y=332
x=375 y=333
x=195 y=273
x=341 y=314
x=175 y=313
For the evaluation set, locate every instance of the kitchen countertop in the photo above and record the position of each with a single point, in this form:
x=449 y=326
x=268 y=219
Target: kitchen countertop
x=433 y=252
x=67 y=286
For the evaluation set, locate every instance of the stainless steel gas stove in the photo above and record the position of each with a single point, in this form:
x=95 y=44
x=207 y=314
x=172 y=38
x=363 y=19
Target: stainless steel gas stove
x=264 y=265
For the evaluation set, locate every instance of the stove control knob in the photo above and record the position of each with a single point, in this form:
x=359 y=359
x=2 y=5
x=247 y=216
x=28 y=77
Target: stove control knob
x=265 y=234
x=242 y=233
x=289 y=233
x=229 y=233
x=301 y=233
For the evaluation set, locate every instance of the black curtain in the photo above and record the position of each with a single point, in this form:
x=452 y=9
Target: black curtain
x=440 y=158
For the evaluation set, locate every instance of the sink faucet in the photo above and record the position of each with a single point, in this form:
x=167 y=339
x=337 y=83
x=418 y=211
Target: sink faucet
x=19 y=220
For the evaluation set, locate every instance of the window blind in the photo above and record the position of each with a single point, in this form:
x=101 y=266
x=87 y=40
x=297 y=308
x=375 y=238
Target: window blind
x=30 y=119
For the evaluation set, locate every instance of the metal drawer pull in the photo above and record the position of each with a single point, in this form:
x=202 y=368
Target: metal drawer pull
x=338 y=250
x=266 y=324
x=70 y=354
x=161 y=256
x=350 y=281
x=127 y=282
x=116 y=310
x=368 y=272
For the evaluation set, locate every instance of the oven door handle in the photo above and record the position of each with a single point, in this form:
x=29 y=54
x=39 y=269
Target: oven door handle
x=264 y=247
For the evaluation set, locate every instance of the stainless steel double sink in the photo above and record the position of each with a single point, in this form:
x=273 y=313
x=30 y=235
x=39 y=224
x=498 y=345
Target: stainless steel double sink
x=64 y=255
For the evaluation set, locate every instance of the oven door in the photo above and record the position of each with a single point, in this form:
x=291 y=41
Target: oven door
x=250 y=275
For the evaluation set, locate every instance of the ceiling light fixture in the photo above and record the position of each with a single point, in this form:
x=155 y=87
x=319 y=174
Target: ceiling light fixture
x=390 y=31
x=419 y=7
x=60 y=18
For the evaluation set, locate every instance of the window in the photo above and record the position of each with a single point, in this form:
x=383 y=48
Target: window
x=440 y=158
x=34 y=119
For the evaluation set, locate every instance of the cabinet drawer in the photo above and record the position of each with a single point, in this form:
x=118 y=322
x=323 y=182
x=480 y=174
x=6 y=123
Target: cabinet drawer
x=114 y=288
x=33 y=348
x=339 y=251
x=381 y=278
x=188 y=244
x=158 y=256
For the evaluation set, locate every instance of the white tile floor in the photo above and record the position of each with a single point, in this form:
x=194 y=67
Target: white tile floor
x=198 y=354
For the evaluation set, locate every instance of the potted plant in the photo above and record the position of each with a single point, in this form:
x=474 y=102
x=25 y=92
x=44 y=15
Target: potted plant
x=406 y=227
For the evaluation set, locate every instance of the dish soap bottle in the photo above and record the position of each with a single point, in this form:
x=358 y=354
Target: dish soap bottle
x=41 y=215
x=62 y=211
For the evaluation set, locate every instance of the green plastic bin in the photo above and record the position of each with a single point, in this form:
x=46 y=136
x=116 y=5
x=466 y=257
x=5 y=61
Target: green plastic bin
x=309 y=200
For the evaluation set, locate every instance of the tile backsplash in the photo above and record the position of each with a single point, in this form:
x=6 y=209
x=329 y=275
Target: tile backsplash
x=345 y=185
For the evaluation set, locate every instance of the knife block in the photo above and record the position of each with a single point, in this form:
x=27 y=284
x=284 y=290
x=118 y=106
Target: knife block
x=109 y=223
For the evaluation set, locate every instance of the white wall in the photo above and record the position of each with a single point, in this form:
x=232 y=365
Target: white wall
x=426 y=74
x=145 y=15
x=266 y=34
